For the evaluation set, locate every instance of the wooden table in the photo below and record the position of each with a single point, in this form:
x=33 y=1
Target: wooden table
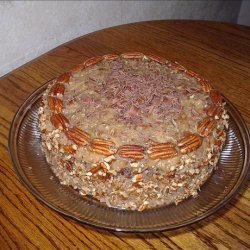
x=219 y=51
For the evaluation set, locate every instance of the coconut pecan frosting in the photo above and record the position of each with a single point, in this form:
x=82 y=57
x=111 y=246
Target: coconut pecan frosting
x=133 y=131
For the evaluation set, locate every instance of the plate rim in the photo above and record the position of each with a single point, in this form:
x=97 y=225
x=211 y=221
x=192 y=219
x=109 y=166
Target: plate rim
x=238 y=185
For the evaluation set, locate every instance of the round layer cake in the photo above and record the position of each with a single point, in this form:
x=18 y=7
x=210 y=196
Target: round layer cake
x=133 y=131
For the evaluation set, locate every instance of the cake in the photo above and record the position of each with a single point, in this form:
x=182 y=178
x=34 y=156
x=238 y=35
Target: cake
x=132 y=131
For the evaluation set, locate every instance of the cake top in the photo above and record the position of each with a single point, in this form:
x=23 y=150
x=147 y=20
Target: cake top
x=134 y=105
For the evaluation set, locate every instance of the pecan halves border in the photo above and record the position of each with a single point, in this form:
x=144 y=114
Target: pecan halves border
x=206 y=126
x=56 y=89
x=136 y=152
x=63 y=78
x=105 y=147
x=216 y=97
x=189 y=143
x=102 y=146
x=55 y=104
x=59 y=121
x=162 y=151
x=78 y=136
x=214 y=111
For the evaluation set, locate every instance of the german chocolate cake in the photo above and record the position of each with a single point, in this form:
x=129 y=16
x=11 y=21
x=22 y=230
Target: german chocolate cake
x=133 y=131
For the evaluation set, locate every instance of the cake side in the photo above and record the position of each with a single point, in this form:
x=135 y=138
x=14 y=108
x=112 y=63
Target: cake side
x=133 y=131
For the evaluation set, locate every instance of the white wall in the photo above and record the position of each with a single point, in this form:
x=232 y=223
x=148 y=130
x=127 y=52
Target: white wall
x=31 y=28
x=244 y=13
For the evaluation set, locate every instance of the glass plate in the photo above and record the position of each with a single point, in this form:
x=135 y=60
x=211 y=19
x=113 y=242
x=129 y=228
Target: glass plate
x=33 y=170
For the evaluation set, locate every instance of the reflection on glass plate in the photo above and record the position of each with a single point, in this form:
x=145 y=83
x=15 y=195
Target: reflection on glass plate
x=33 y=170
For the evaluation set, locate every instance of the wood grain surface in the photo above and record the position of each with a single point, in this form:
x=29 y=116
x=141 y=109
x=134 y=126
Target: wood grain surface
x=218 y=51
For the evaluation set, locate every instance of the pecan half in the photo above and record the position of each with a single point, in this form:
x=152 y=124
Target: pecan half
x=176 y=65
x=77 y=135
x=57 y=89
x=59 y=121
x=214 y=111
x=204 y=84
x=157 y=59
x=63 y=78
x=55 y=104
x=189 y=143
x=77 y=67
x=110 y=57
x=92 y=61
x=162 y=151
x=192 y=73
x=132 y=55
x=206 y=126
x=215 y=97
x=101 y=146
x=131 y=151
